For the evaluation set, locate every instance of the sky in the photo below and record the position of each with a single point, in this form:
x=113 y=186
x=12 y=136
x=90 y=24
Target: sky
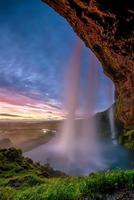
x=36 y=45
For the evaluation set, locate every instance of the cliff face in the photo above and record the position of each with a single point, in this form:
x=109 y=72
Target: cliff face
x=107 y=28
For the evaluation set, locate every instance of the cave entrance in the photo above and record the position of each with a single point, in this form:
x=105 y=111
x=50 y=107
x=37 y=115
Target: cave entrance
x=33 y=57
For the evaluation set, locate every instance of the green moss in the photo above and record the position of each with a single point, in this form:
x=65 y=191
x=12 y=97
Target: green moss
x=7 y=193
x=127 y=139
x=127 y=136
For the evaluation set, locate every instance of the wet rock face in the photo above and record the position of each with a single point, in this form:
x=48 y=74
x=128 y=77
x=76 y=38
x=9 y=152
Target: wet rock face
x=107 y=27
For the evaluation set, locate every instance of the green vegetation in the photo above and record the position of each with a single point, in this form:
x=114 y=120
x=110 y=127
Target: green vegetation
x=128 y=139
x=126 y=136
x=21 y=179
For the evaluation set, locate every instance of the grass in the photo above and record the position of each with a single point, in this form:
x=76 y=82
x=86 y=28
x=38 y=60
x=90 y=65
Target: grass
x=70 y=188
x=43 y=183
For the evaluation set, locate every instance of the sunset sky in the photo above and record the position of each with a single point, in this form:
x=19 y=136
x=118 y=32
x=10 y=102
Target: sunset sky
x=35 y=46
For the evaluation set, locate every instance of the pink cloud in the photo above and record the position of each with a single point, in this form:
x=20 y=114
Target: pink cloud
x=14 y=103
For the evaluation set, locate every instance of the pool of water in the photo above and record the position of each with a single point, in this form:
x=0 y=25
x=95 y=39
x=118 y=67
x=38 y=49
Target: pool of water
x=111 y=156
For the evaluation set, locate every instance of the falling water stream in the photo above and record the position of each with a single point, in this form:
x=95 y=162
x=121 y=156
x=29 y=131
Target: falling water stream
x=110 y=95
x=112 y=126
x=77 y=141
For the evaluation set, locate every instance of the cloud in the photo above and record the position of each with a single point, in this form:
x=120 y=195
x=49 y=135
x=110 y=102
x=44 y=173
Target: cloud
x=13 y=104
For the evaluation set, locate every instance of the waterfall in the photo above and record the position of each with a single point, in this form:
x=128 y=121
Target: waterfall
x=112 y=125
x=67 y=135
x=110 y=95
x=88 y=140
x=76 y=149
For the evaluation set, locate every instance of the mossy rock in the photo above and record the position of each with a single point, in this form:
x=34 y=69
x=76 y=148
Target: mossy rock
x=127 y=139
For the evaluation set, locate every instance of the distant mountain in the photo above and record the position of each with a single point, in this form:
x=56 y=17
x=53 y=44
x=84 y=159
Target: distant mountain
x=12 y=117
x=8 y=115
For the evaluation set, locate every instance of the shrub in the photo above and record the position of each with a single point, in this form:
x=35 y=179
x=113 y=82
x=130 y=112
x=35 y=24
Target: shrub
x=6 y=193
